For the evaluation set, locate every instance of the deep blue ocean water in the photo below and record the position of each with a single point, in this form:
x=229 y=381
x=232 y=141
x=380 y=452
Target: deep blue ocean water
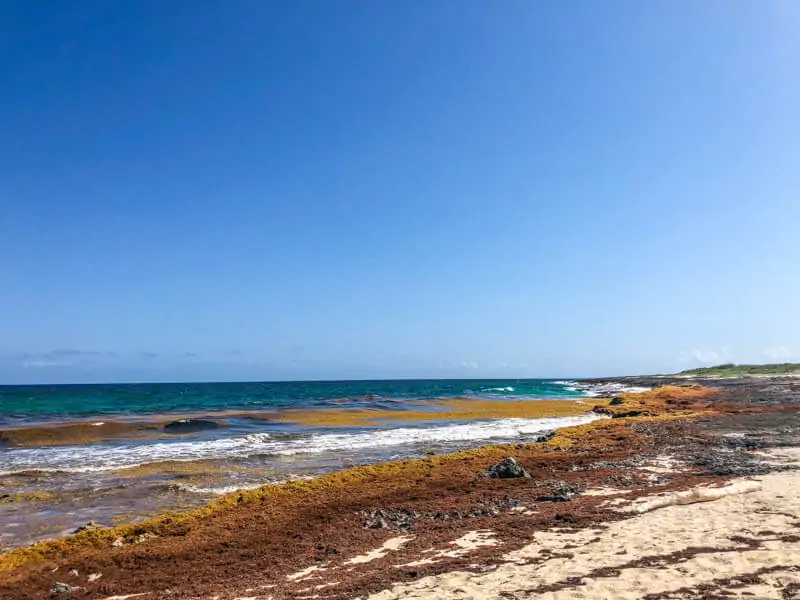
x=47 y=402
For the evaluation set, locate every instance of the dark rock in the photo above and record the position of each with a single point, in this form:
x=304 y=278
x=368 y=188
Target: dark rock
x=616 y=401
x=731 y=464
x=560 y=493
x=63 y=589
x=90 y=526
x=190 y=426
x=508 y=468
x=404 y=519
x=493 y=507
x=389 y=519
x=327 y=550
x=378 y=523
x=604 y=410
x=791 y=591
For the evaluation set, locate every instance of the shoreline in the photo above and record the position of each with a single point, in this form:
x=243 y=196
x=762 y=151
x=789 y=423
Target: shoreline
x=37 y=505
x=48 y=491
x=569 y=390
x=155 y=427
x=318 y=510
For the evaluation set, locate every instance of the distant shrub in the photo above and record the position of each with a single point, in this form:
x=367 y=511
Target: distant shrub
x=734 y=370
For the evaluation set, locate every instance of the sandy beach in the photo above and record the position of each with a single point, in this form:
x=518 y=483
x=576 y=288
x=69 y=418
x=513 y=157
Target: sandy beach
x=680 y=492
x=740 y=540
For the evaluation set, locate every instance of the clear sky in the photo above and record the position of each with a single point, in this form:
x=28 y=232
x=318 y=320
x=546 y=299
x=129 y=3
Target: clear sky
x=423 y=188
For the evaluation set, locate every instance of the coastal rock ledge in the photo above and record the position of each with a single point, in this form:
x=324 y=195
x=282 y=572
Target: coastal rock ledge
x=508 y=468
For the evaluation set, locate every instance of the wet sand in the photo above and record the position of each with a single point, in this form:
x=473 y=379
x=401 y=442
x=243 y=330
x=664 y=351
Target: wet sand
x=438 y=520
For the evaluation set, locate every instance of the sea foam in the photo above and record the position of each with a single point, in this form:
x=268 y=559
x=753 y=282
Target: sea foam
x=107 y=457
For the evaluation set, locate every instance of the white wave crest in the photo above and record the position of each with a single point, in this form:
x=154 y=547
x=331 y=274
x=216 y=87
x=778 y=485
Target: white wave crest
x=226 y=489
x=600 y=389
x=99 y=457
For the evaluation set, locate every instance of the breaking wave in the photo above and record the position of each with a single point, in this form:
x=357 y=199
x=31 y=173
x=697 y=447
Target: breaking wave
x=108 y=457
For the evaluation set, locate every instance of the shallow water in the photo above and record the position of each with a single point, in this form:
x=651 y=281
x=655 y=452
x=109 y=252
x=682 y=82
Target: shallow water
x=47 y=491
x=125 y=482
x=58 y=402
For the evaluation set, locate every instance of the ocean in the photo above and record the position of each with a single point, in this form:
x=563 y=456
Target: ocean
x=239 y=404
x=21 y=404
x=74 y=453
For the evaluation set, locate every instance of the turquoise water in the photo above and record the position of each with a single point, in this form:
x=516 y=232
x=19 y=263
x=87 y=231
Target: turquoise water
x=242 y=432
x=245 y=450
x=45 y=402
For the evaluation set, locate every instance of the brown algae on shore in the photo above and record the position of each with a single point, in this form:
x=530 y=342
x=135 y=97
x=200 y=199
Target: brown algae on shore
x=675 y=400
x=76 y=433
x=64 y=434
x=40 y=496
x=177 y=467
x=452 y=409
x=375 y=480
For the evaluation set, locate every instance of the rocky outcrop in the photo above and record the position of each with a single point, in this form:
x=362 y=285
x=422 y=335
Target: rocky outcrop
x=560 y=491
x=190 y=426
x=508 y=468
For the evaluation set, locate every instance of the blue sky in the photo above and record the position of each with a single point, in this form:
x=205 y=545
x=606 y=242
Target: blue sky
x=273 y=190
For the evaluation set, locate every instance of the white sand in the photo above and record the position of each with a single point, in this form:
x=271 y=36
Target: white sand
x=305 y=573
x=764 y=510
x=605 y=492
x=389 y=545
x=698 y=494
x=468 y=542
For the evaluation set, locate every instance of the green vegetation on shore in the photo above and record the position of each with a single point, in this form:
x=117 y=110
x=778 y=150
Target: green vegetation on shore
x=732 y=370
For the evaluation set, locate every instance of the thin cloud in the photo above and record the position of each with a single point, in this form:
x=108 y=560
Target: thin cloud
x=62 y=357
x=67 y=353
x=72 y=352
x=708 y=357
x=43 y=364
